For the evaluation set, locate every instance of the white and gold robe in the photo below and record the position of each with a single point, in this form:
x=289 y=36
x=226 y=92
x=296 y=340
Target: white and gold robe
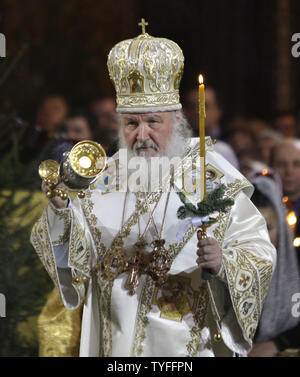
x=187 y=315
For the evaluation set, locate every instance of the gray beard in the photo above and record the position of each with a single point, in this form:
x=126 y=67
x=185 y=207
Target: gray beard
x=176 y=147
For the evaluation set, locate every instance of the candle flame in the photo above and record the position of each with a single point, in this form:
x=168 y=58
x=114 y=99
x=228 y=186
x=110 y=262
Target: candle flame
x=291 y=219
x=296 y=242
x=201 y=80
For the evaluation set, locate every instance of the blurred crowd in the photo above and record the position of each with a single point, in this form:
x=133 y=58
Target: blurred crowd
x=268 y=154
x=57 y=127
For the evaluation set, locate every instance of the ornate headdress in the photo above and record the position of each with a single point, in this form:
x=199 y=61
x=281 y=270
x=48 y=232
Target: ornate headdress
x=146 y=72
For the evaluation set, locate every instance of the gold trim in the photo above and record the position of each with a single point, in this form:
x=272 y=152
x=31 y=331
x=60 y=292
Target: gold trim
x=104 y=292
x=65 y=216
x=247 y=302
x=41 y=242
x=79 y=250
x=142 y=319
x=148 y=100
x=199 y=320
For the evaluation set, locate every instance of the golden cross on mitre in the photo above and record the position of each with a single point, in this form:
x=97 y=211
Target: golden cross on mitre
x=143 y=23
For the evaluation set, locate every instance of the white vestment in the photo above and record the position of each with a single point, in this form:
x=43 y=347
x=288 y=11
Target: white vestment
x=184 y=317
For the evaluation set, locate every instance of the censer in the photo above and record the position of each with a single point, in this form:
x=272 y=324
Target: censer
x=78 y=170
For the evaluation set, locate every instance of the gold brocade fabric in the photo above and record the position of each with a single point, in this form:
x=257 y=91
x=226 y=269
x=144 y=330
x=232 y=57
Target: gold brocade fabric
x=59 y=328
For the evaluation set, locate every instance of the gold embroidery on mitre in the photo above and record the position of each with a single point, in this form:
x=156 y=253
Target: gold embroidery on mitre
x=146 y=72
x=178 y=78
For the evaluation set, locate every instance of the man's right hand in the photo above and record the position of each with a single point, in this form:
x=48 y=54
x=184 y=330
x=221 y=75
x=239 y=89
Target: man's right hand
x=56 y=200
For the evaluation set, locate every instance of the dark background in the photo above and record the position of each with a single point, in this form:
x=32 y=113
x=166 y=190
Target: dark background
x=243 y=48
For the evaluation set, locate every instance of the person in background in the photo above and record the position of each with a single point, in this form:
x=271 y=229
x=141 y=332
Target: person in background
x=77 y=127
x=267 y=140
x=286 y=123
x=240 y=138
x=242 y=142
x=285 y=159
x=103 y=109
x=257 y=126
x=51 y=113
x=212 y=108
x=278 y=329
x=212 y=121
x=254 y=168
x=242 y=134
x=38 y=138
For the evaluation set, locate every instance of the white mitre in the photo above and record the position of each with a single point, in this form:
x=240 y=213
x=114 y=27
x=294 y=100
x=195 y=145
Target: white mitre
x=146 y=72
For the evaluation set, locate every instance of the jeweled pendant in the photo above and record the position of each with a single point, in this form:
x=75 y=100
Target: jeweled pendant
x=160 y=262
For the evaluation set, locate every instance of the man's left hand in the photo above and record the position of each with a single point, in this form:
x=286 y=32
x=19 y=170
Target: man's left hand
x=210 y=254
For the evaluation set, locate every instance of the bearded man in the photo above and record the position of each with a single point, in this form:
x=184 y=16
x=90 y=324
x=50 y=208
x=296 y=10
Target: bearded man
x=125 y=253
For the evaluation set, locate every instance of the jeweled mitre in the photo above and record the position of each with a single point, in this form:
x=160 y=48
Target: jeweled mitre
x=146 y=72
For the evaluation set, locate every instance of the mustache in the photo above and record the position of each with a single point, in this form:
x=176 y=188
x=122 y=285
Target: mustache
x=145 y=144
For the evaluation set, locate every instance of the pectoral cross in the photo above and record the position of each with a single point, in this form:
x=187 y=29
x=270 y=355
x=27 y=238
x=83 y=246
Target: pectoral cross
x=143 y=23
x=135 y=266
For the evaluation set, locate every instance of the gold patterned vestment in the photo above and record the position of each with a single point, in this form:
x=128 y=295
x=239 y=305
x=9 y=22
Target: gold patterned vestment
x=186 y=316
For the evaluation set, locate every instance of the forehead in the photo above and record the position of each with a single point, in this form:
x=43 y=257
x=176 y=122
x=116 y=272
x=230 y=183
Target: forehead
x=286 y=119
x=158 y=115
x=53 y=101
x=76 y=120
x=287 y=152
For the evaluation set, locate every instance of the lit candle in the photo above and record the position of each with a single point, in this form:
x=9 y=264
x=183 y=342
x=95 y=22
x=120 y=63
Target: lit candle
x=291 y=220
x=202 y=138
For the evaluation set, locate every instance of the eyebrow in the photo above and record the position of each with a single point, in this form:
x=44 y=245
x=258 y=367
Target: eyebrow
x=130 y=119
x=144 y=117
x=154 y=116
